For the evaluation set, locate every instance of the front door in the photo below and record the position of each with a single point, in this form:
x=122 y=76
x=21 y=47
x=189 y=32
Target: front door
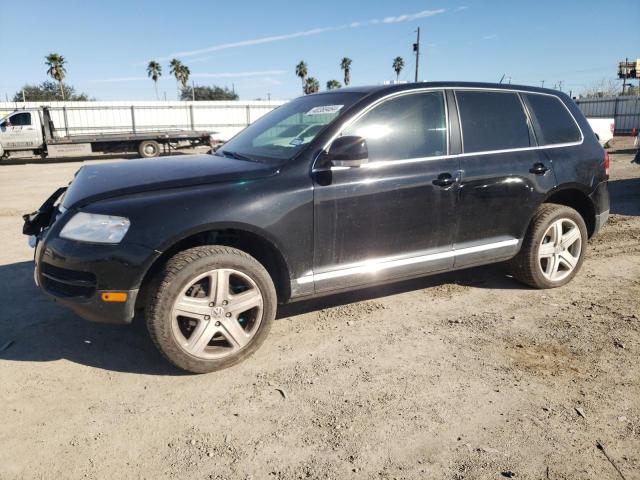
x=19 y=132
x=387 y=218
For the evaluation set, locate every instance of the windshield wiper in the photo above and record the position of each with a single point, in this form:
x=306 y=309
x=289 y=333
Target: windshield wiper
x=237 y=156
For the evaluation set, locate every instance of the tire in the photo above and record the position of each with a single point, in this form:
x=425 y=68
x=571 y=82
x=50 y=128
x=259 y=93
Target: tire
x=541 y=250
x=148 y=149
x=186 y=302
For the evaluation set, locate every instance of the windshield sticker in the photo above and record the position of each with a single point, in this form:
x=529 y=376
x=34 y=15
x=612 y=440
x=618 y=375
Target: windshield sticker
x=296 y=142
x=324 y=109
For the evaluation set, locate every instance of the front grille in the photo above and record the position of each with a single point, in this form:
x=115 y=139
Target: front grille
x=67 y=283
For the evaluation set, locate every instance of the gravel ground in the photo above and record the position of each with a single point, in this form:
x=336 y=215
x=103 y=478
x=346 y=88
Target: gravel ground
x=464 y=375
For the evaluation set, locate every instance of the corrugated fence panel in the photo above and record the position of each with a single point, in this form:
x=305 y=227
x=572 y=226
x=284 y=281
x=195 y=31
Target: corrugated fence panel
x=624 y=110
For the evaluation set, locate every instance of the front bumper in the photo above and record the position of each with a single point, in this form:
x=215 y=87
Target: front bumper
x=76 y=275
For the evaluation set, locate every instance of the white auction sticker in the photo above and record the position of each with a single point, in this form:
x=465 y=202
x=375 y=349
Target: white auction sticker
x=324 y=109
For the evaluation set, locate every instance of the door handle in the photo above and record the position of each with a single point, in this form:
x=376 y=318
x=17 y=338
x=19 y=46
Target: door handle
x=539 y=169
x=444 y=180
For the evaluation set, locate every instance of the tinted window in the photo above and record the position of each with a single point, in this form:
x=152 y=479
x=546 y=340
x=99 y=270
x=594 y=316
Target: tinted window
x=20 y=119
x=492 y=121
x=409 y=126
x=553 y=122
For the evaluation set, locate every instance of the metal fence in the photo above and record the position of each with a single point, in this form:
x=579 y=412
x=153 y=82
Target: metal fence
x=624 y=110
x=222 y=118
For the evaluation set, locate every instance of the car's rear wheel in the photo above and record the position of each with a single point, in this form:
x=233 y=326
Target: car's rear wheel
x=212 y=308
x=553 y=248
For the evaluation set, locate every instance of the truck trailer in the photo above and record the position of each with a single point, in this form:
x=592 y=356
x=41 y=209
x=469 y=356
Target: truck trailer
x=80 y=131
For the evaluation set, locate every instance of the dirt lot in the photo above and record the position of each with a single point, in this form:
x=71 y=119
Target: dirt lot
x=465 y=375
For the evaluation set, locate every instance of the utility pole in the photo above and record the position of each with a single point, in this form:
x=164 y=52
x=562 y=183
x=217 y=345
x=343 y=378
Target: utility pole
x=542 y=83
x=24 y=99
x=193 y=91
x=416 y=48
x=560 y=85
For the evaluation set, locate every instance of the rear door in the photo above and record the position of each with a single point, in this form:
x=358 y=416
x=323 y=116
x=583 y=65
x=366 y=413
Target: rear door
x=504 y=175
x=391 y=217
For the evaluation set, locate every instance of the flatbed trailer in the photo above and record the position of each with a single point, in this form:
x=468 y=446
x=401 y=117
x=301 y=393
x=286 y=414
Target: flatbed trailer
x=29 y=132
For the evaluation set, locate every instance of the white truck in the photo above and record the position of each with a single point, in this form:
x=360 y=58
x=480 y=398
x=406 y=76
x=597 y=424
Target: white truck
x=603 y=128
x=68 y=132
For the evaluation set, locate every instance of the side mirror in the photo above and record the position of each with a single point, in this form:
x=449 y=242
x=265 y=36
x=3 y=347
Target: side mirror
x=4 y=124
x=348 y=151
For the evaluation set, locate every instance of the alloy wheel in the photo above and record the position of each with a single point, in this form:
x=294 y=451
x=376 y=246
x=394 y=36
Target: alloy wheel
x=560 y=249
x=217 y=313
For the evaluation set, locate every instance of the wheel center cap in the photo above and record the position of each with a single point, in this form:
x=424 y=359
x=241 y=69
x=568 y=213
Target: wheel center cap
x=217 y=312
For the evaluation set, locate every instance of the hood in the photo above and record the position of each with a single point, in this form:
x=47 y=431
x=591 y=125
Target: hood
x=97 y=182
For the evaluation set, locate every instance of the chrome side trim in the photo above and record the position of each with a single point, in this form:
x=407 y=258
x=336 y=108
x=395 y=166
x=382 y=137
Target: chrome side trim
x=384 y=263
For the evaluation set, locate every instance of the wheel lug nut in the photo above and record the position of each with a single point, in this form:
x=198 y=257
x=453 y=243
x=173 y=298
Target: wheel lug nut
x=217 y=324
x=211 y=304
x=224 y=302
x=207 y=317
x=228 y=315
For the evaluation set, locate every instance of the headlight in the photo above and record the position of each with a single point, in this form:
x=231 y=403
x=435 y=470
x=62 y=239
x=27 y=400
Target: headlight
x=95 y=228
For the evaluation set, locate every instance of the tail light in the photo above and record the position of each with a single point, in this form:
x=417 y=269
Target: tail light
x=606 y=163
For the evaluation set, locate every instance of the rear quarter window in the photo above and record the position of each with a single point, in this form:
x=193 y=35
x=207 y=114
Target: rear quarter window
x=492 y=121
x=552 y=121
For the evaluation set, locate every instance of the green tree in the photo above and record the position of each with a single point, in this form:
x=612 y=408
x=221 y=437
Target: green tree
x=57 y=70
x=154 y=71
x=345 y=65
x=312 y=85
x=302 y=71
x=398 y=65
x=49 y=91
x=208 y=93
x=333 y=84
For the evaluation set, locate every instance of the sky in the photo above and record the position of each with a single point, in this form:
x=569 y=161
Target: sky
x=254 y=46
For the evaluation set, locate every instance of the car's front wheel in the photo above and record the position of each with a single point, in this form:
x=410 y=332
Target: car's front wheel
x=553 y=248
x=212 y=307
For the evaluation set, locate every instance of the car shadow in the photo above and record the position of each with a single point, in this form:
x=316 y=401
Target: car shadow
x=491 y=277
x=42 y=331
x=625 y=196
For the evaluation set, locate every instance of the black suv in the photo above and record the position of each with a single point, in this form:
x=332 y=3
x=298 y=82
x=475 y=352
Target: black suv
x=329 y=192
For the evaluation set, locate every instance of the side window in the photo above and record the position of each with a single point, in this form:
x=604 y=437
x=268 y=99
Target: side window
x=552 y=121
x=492 y=121
x=408 y=126
x=20 y=119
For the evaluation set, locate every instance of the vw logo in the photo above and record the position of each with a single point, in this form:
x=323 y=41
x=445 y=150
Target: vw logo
x=217 y=312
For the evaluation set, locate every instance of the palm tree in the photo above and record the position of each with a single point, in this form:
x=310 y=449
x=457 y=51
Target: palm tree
x=345 y=65
x=333 y=84
x=185 y=76
x=311 y=85
x=56 y=63
x=175 y=68
x=398 y=65
x=154 y=71
x=301 y=71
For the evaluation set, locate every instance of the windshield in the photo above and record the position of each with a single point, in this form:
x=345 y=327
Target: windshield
x=282 y=133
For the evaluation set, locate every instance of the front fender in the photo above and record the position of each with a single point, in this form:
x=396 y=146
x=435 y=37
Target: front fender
x=276 y=211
